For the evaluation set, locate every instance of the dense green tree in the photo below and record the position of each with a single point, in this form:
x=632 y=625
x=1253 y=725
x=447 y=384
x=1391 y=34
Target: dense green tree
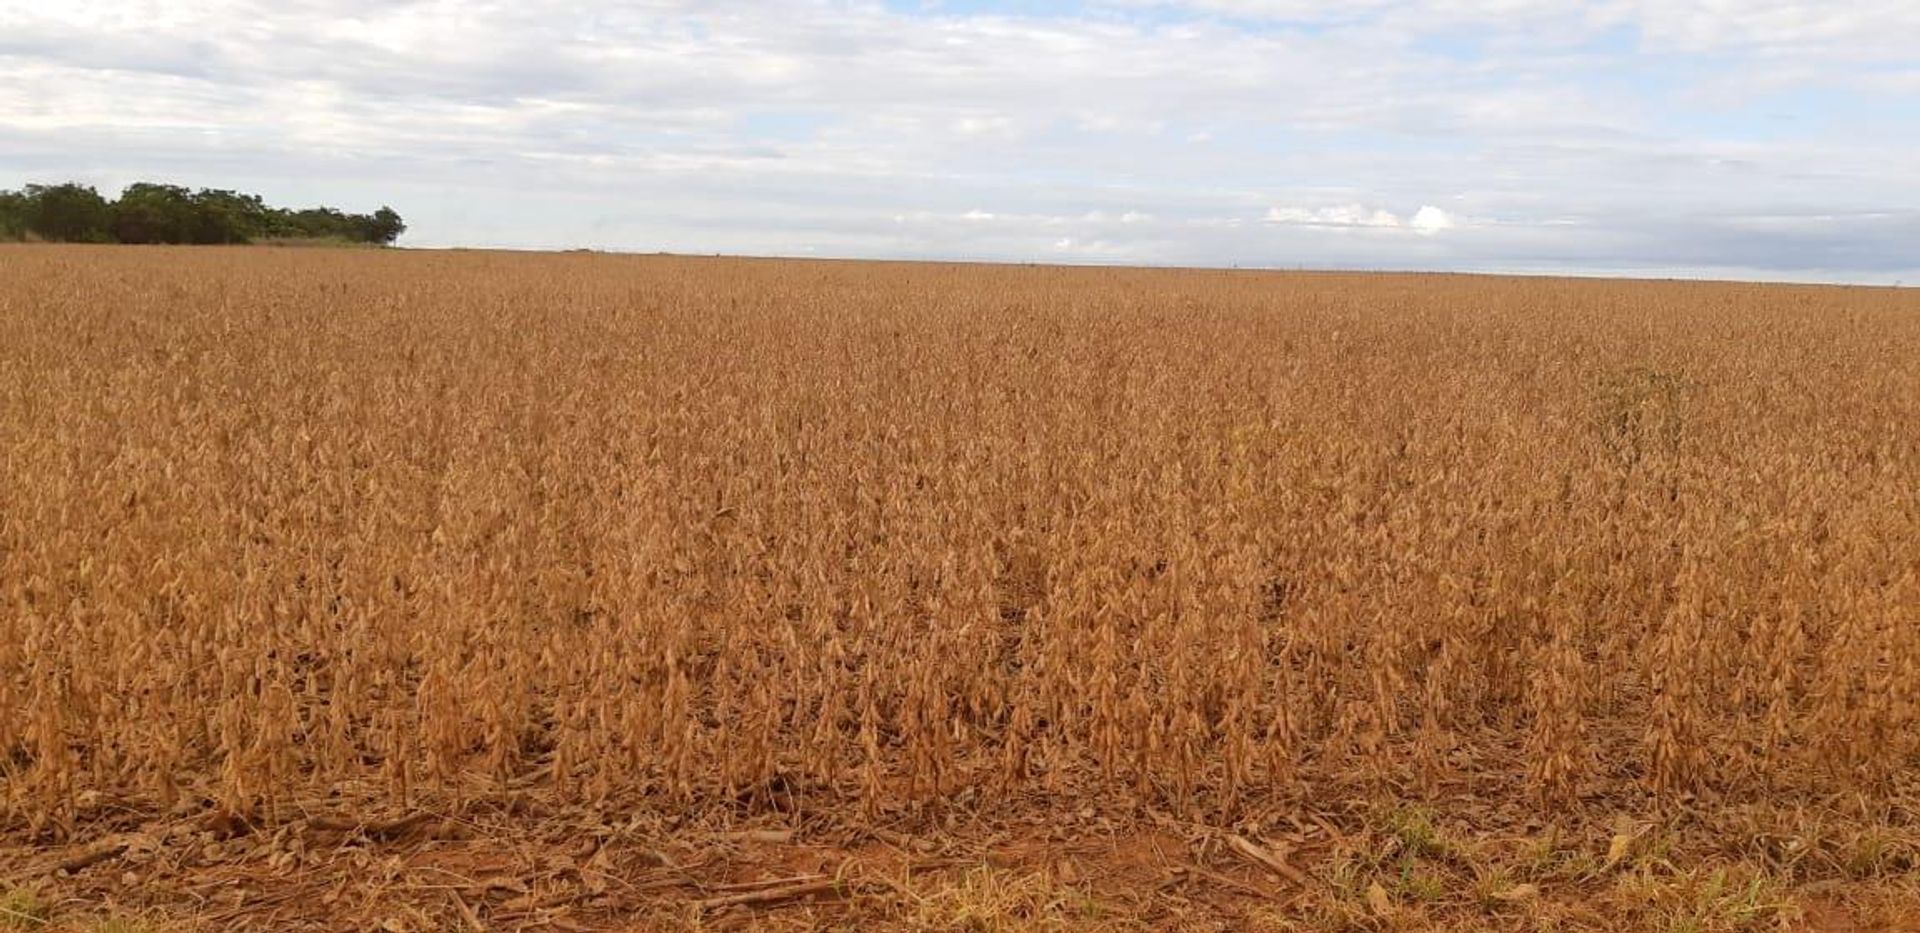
x=231 y=217
x=69 y=213
x=147 y=212
x=386 y=226
x=13 y=215
x=322 y=223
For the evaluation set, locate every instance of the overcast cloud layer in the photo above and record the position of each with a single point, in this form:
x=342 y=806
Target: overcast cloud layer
x=1738 y=138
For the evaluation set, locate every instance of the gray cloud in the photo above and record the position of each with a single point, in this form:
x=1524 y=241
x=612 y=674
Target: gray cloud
x=1686 y=137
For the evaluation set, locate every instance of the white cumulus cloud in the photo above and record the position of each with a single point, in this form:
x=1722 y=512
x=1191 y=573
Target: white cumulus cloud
x=1344 y=215
x=1430 y=219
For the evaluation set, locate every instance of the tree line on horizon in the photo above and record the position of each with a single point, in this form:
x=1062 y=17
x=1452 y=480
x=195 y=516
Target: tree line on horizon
x=148 y=212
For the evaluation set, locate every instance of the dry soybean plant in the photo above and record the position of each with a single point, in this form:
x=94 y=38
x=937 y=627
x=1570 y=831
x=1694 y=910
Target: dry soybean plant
x=685 y=534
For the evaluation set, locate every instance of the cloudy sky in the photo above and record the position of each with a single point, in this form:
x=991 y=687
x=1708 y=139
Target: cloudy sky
x=1739 y=138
